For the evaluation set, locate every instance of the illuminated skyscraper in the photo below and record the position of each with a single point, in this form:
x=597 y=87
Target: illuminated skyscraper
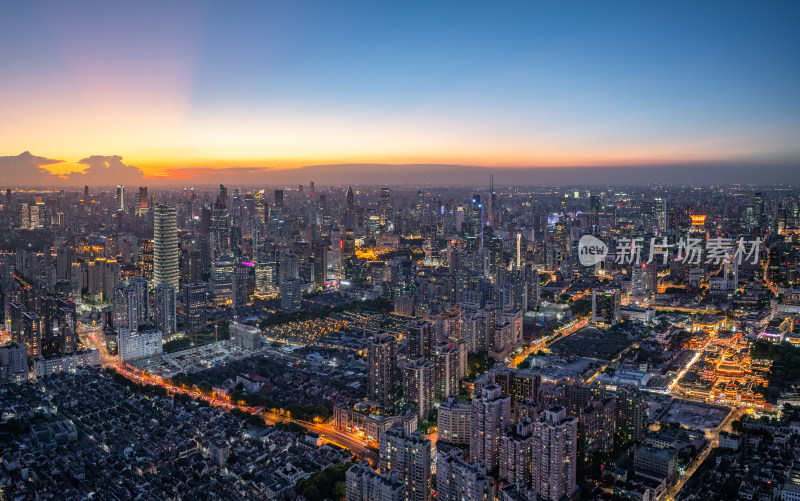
x=165 y=309
x=418 y=384
x=193 y=299
x=555 y=455
x=120 y=197
x=142 y=203
x=165 y=246
x=491 y=415
x=410 y=456
x=381 y=368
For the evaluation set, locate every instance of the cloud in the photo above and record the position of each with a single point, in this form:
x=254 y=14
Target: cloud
x=26 y=169
x=106 y=171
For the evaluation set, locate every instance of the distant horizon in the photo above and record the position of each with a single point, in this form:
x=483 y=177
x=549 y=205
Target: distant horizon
x=28 y=170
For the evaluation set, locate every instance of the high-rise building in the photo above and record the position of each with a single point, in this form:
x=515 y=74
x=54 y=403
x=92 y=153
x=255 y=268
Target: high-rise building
x=385 y=207
x=555 y=455
x=129 y=304
x=491 y=415
x=409 y=454
x=349 y=210
x=120 y=197
x=265 y=276
x=142 y=202
x=381 y=368
x=279 y=199
x=596 y=428
x=147 y=258
x=516 y=447
x=418 y=384
x=193 y=299
x=133 y=345
x=420 y=338
x=454 y=422
x=32 y=333
x=631 y=415
x=291 y=294
x=165 y=246
x=362 y=483
x=241 y=283
x=221 y=283
x=449 y=360
x=166 y=320
x=221 y=223
x=457 y=480
x=13 y=363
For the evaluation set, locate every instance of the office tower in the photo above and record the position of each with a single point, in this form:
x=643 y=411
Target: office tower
x=32 y=333
x=596 y=428
x=555 y=454
x=291 y=294
x=457 y=480
x=638 y=284
x=120 y=197
x=165 y=246
x=418 y=385
x=409 y=454
x=420 y=338
x=222 y=271
x=241 y=282
x=385 y=207
x=631 y=415
x=605 y=307
x=362 y=483
x=516 y=447
x=491 y=415
x=165 y=320
x=320 y=265
x=265 y=276
x=220 y=223
x=289 y=265
x=193 y=298
x=13 y=363
x=454 y=422
x=279 y=199
x=349 y=210
x=85 y=192
x=381 y=369
x=142 y=202
x=130 y=304
x=661 y=214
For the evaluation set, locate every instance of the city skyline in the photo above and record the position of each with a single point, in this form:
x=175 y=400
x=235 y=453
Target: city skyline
x=183 y=93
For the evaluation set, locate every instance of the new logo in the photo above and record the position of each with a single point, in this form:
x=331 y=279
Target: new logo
x=591 y=250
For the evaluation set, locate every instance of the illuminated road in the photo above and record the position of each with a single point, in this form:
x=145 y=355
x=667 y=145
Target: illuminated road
x=540 y=343
x=92 y=337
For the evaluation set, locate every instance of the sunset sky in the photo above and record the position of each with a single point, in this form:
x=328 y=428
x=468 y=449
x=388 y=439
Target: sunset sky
x=173 y=87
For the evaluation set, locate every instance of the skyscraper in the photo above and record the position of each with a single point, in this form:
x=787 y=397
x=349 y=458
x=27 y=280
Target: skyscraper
x=165 y=309
x=491 y=415
x=291 y=294
x=555 y=454
x=515 y=453
x=457 y=480
x=142 y=203
x=381 y=368
x=120 y=197
x=631 y=416
x=165 y=246
x=193 y=297
x=454 y=422
x=410 y=455
x=362 y=483
x=385 y=207
x=418 y=385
